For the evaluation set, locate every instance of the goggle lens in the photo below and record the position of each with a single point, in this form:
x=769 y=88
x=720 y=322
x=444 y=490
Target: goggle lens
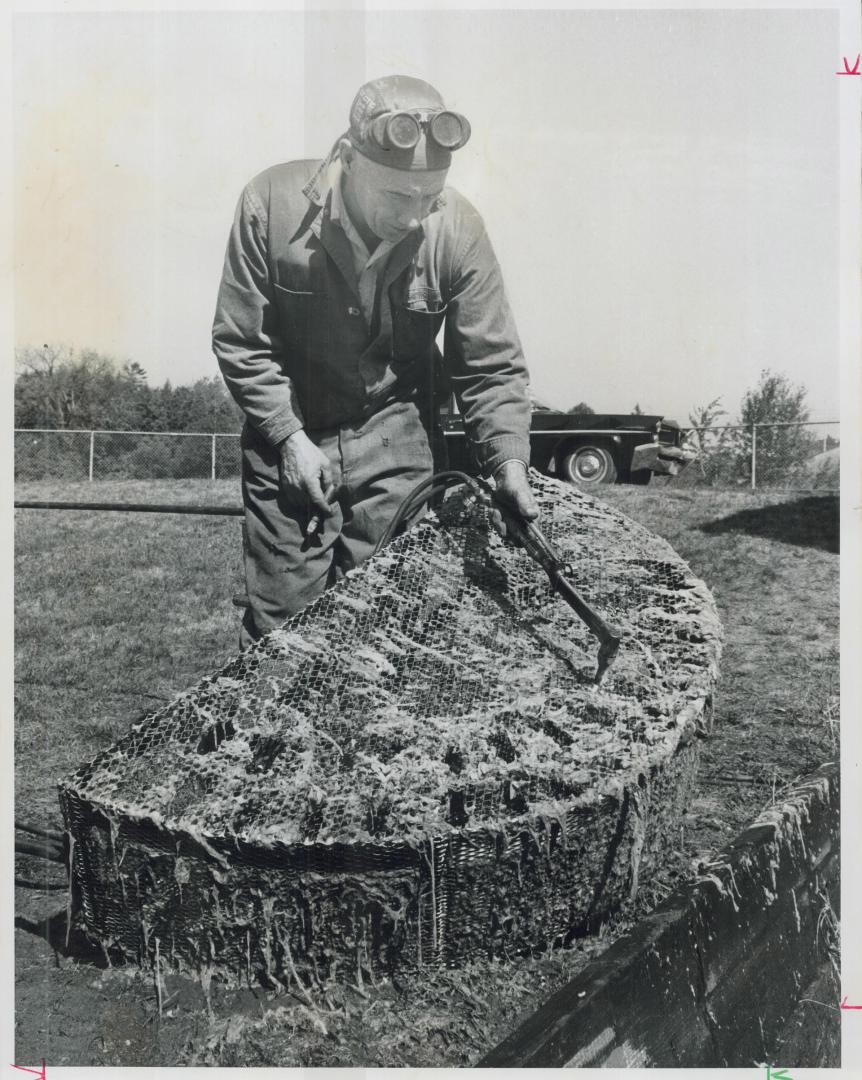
x=447 y=130
x=403 y=131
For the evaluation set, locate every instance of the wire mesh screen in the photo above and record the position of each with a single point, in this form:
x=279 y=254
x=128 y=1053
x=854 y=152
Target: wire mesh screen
x=133 y=455
x=228 y=457
x=417 y=768
x=52 y=455
x=125 y=455
x=798 y=456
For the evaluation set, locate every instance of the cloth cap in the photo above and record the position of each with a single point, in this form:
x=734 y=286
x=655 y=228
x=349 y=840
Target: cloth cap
x=392 y=94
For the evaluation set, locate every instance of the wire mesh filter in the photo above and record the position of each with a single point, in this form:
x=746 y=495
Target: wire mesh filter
x=416 y=768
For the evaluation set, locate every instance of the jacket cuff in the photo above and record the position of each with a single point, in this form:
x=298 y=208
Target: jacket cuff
x=276 y=428
x=506 y=462
x=493 y=452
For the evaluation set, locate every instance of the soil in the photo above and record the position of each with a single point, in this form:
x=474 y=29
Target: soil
x=811 y=1035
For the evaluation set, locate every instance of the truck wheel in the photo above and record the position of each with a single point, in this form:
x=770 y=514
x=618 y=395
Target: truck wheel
x=589 y=465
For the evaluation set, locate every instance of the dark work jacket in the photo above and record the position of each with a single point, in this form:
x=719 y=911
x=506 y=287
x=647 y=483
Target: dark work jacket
x=294 y=347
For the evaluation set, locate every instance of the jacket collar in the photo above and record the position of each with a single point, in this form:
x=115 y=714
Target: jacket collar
x=331 y=236
x=318 y=191
x=317 y=188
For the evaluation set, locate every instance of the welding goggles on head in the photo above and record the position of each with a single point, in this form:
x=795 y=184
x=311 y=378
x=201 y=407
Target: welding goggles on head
x=402 y=130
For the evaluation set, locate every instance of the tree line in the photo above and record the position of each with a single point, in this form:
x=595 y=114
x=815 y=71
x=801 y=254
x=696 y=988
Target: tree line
x=61 y=388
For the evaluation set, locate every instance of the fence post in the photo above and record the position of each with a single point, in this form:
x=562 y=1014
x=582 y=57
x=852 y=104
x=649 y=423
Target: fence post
x=753 y=456
x=213 y=458
x=92 y=447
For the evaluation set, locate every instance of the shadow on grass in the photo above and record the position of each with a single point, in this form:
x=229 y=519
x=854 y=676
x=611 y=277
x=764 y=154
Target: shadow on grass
x=808 y=522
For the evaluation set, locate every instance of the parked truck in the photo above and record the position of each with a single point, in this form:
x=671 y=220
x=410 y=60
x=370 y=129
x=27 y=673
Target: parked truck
x=590 y=449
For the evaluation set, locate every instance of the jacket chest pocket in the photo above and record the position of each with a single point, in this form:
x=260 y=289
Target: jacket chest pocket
x=302 y=318
x=416 y=321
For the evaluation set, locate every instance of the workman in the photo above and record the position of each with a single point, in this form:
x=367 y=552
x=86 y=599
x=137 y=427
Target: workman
x=338 y=276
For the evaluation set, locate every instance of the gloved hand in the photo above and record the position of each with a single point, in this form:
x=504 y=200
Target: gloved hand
x=305 y=472
x=513 y=488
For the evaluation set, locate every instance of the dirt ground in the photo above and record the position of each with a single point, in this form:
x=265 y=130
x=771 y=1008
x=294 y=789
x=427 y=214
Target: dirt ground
x=772 y=563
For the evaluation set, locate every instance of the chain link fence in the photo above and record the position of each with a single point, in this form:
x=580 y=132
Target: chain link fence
x=125 y=455
x=766 y=456
x=770 y=456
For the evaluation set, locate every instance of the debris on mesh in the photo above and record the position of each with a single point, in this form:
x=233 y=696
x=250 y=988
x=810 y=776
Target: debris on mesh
x=441 y=691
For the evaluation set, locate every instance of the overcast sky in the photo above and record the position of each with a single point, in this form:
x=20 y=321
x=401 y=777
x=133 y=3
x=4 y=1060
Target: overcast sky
x=661 y=187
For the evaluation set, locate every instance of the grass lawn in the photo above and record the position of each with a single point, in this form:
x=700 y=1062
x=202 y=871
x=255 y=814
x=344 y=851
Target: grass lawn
x=771 y=562
x=117 y=612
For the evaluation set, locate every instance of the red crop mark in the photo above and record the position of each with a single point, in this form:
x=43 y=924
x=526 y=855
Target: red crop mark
x=41 y=1073
x=844 y=1004
x=847 y=69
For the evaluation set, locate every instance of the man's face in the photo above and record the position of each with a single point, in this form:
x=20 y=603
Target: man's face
x=393 y=202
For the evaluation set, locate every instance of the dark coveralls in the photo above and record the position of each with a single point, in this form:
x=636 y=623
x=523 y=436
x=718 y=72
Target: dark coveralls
x=296 y=352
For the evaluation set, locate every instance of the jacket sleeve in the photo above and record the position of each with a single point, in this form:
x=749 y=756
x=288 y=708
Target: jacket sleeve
x=246 y=340
x=483 y=352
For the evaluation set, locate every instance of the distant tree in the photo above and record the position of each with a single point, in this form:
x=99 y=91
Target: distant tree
x=582 y=409
x=637 y=410
x=42 y=361
x=215 y=409
x=703 y=417
x=777 y=406
x=716 y=462
x=38 y=402
x=205 y=406
x=59 y=388
x=128 y=408
x=775 y=400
